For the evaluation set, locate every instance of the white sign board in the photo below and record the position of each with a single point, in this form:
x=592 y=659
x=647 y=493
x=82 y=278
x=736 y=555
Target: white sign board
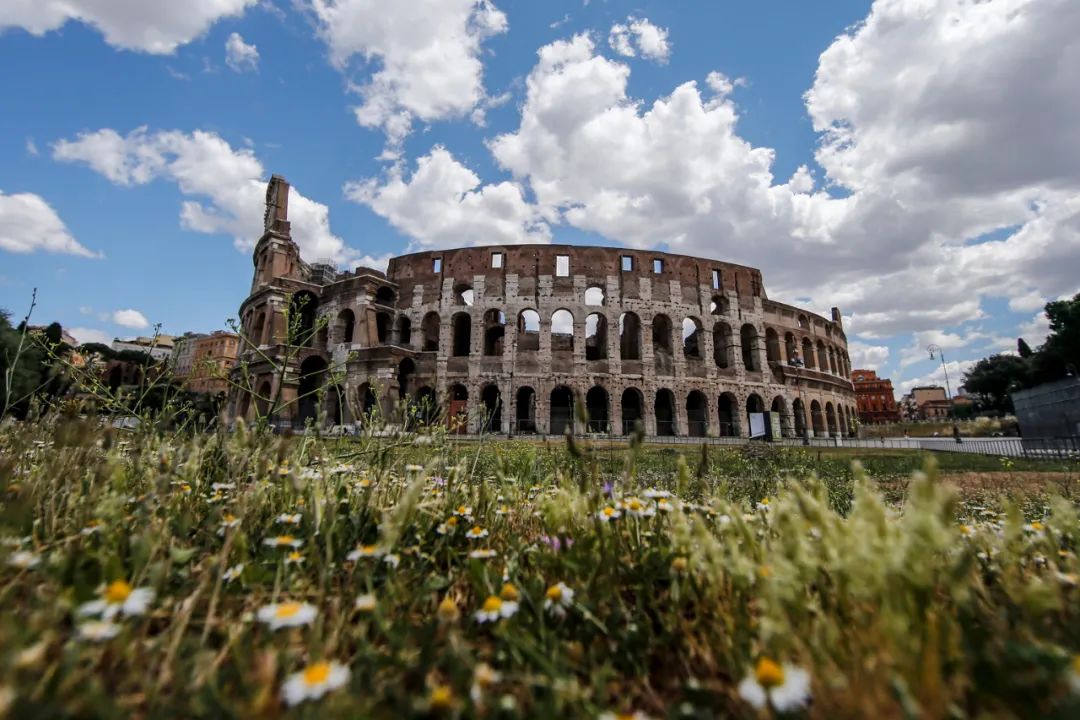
x=757 y=425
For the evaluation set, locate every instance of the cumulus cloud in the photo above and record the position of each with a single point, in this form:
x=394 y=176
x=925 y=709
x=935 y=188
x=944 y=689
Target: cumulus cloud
x=151 y=27
x=130 y=319
x=954 y=370
x=640 y=36
x=89 y=335
x=442 y=204
x=427 y=53
x=29 y=224
x=867 y=357
x=239 y=55
x=224 y=187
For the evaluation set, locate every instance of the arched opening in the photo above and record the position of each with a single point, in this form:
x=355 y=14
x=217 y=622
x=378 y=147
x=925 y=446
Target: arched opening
x=822 y=357
x=256 y=333
x=526 y=410
x=754 y=405
x=817 y=421
x=406 y=371
x=832 y=362
x=116 y=377
x=492 y=400
x=383 y=321
x=799 y=411
x=263 y=400
x=808 y=353
x=346 y=325
x=722 y=345
x=779 y=408
x=661 y=335
x=427 y=406
x=664 y=409
x=312 y=378
x=562 y=410
x=302 y=318
x=594 y=296
x=629 y=336
x=528 y=330
x=404 y=331
x=494 y=332
x=728 y=415
x=596 y=405
x=772 y=345
x=632 y=405
x=333 y=405
x=791 y=348
x=804 y=324
x=457 y=416
x=697 y=414
x=595 y=337
x=367 y=404
x=562 y=331
x=748 y=337
x=385 y=296
x=718 y=305
x=463 y=294
x=461 y=324
x=691 y=338
x=429 y=329
x=830 y=419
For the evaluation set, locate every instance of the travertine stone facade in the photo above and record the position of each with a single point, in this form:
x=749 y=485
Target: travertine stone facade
x=505 y=338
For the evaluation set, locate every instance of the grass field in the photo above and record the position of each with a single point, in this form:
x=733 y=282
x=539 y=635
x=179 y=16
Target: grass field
x=152 y=575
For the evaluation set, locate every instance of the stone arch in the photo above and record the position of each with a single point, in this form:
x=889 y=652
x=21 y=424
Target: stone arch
x=463 y=295
x=822 y=357
x=494 y=332
x=830 y=419
x=386 y=296
x=817 y=421
x=594 y=296
x=383 y=324
x=457 y=412
x=798 y=410
x=461 y=325
x=779 y=406
x=562 y=331
x=404 y=330
x=312 y=378
x=661 y=332
x=832 y=361
x=596 y=339
x=427 y=405
x=525 y=413
x=697 y=414
x=367 y=403
x=791 y=348
x=664 y=412
x=748 y=339
x=632 y=405
x=723 y=347
x=528 y=327
x=257 y=331
x=719 y=305
x=808 y=353
x=596 y=406
x=728 y=414
x=691 y=338
x=754 y=404
x=492 y=399
x=562 y=410
x=629 y=336
x=263 y=400
x=429 y=329
x=405 y=373
x=302 y=313
x=804 y=324
x=772 y=345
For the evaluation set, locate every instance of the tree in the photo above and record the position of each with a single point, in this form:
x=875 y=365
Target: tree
x=1062 y=347
x=993 y=378
x=1023 y=348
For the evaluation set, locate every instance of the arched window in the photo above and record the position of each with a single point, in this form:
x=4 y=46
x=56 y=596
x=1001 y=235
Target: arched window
x=629 y=336
x=832 y=361
x=772 y=345
x=526 y=410
x=462 y=327
x=697 y=414
x=562 y=331
x=463 y=294
x=661 y=334
x=492 y=400
x=595 y=337
x=822 y=357
x=830 y=419
x=596 y=406
x=632 y=409
x=691 y=338
x=494 y=331
x=748 y=337
x=562 y=410
x=257 y=332
x=779 y=407
x=664 y=409
x=722 y=349
x=718 y=305
x=429 y=328
x=312 y=378
x=804 y=324
x=808 y=353
x=791 y=348
x=594 y=295
x=383 y=322
x=728 y=415
x=385 y=296
x=302 y=318
x=404 y=331
x=406 y=371
x=816 y=419
x=799 y=411
x=528 y=330
x=457 y=415
x=754 y=405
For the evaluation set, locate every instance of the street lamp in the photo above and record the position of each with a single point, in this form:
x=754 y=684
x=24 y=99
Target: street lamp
x=797 y=363
x=941 y=354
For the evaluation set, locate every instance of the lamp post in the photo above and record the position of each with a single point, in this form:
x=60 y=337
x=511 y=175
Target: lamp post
x=941 y=354
x=797 y=363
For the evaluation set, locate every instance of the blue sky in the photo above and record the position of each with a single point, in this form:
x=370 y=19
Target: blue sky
x=911 y=162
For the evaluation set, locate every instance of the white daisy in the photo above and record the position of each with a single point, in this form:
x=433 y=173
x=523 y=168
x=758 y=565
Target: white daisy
x=654 y=493
x=98 y=630
x=392 y=560
x=314 y=681
x=494 y=609
x=228 y=520
x=118 y=597
x=784 y=687
x=365 y=551
x=283 y=541
x=635 y=508
x=287 y=614
x=608 y=513
x=93 y=527
x=289 y=518
x=482 y=554
x=476 y=532
x=294 y=558
x=558 y=598
x=234 y=572
x=23 y=559
x=365 y=603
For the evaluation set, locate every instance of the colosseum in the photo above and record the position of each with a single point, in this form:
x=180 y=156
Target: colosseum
x=505 y=339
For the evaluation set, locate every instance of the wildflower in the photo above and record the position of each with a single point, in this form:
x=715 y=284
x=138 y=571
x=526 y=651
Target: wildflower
x=608 y=513
x=483 y=678
x=441 y=699
x=635 y=508
x=482 y=554
x=679 y=565
x=392 y=560
x=464 y=512
x=24 y=559
x=363 y=483
x=509 y=592
x=314 y=681
x=966 y=530
x=366 y=603
x=783 y=687
x=448 y=610
x=228 y=520
x=494 y=609
x=558 y=598
x=287 y=614
x=503 y=510
x=764 y=504
x=654 y=494
x=98 y=630
x=289 y=519
x=221 y=487
x=664 y=505
x=476 y=532
x=294 y=558
x=118 y=597
x=92 y=527
x=414 y=468
x=234 y=572
x=283 y=541
x=365 y=551
x=447 y=527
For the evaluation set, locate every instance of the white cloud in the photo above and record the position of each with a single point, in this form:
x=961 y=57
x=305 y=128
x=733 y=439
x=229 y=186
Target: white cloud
x=937 y=376
x=31 y=147
x=428 y=56
x=921 y=341
x=29 y=224
x=239 y=55
x=639 y=35
x=224 y=187
x=130 y=319
x=89 y=335
x=867 y=357
x=1035 y=330
x=141 y=25
x=443 y=204
x=1026 y=303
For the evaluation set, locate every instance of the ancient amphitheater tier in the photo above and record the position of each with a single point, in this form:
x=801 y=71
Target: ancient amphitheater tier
x=506 y=339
